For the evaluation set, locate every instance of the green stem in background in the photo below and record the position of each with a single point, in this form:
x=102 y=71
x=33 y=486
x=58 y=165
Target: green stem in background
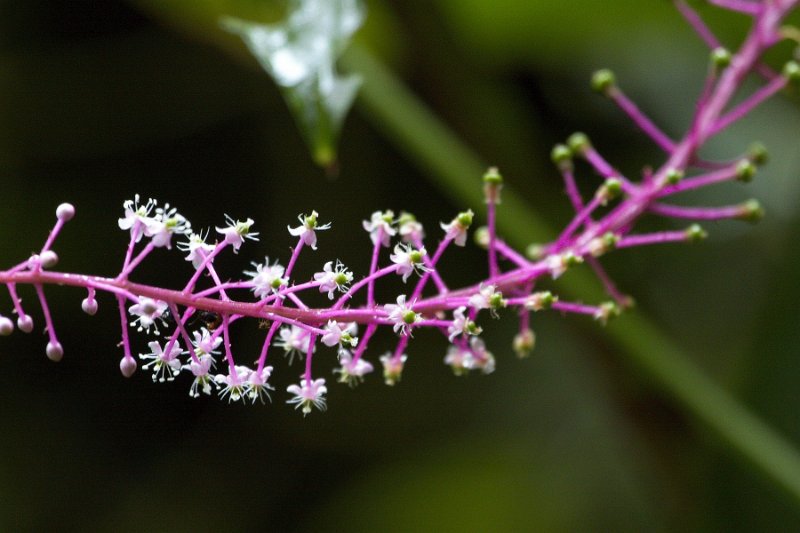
x=455 y=170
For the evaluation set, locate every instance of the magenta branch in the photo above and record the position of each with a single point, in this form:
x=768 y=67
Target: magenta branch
x=188 y=328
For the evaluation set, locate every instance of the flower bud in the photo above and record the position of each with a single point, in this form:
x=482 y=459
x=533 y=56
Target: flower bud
x=791 y=71
x=751 y=211
x=758 y=153
x=603 y=81
x=127 y=366
x=695 y=233
x=674 y=176
x=492 y=184
x=609 y=190
x=65 y=212
x=540 y=301
x=89 y=306
x=6 y=326
x=48 y=259
x=745 y=170
x=25 y=323
x=54 y=351
x=524 y=342
x=561 y=155
x=578 y=143
x=720 y=57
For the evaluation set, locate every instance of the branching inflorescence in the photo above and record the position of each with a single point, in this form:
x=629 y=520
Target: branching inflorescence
x=191 y=326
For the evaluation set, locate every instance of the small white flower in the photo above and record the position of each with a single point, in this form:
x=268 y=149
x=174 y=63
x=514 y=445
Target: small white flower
x=167 y=223
x=334 y=334
x=235 y=383
x=392 y=367
x=461 y=325
x=483 y=359
x=308 y=394
x=409 y=229
x=197 y=247
x=165 y=365
x=483 y=298
x=147 y=311
x=137 y=218
x=408 y=260
x=457 y=228
x=331 y=279
x=294 y=340
x=308 y=225
x=402 y=315
x=352 y=371
x=459 y=359
x=205 y=343
x=380 y=227
x=257 y=386
x=237 y=231
x=202 y=379
x=267 y=279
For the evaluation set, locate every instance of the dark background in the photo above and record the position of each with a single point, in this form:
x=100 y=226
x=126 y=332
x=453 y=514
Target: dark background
x=102 y=100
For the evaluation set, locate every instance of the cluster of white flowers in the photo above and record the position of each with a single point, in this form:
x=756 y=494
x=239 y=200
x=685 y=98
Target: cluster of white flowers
x=160 y=227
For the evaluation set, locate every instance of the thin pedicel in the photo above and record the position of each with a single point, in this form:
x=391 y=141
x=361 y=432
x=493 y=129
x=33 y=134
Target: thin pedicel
x=269 y=293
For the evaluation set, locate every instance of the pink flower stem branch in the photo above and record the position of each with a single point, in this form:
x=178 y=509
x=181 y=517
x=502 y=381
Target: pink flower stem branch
x=641 y=120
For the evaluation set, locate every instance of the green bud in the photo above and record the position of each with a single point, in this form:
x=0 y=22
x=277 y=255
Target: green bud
x=609 y=190
x=571 y=259
x=415 y=256
x=465 y=218
x=720 y=57
x=405 y=218
x=540 y=301
x=492 y=183
x=472 y=328
x=493 y=177
x=561 y=156
x=534 y=252
x=578 y=143
x=481 y=237
x=758 y=153
x=751 y=211
x=695 y=233
x=496 y=301
x=410 y=317
x=674 y=176
x=603 y=244
x=745 y=170
x=791 y=71
x=607 y=311
x=603 y=81
x=524 y=342
x=388 y=216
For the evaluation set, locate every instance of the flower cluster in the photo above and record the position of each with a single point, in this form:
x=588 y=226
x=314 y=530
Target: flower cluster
x=196 y=318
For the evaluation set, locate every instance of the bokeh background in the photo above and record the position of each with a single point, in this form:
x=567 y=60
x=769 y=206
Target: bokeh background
x=100 y=100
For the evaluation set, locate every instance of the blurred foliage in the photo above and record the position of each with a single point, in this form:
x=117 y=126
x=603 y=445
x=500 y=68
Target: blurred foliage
x=100 y=100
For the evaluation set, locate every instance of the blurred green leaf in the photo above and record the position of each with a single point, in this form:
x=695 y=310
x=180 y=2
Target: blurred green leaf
x=300 y=55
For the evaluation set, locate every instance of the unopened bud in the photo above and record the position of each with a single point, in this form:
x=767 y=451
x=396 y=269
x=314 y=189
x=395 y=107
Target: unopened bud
x=25 y=323
x=745 y=170
x=758 y=153
x=751 y=211
x=540 y=301
x=674 y=176
x=127 y=366
x=524 y=343
x=720 y=57
x=578 y=143
x=54 y=351
x=65 y=212
x=695 y=233
x=603 y=81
